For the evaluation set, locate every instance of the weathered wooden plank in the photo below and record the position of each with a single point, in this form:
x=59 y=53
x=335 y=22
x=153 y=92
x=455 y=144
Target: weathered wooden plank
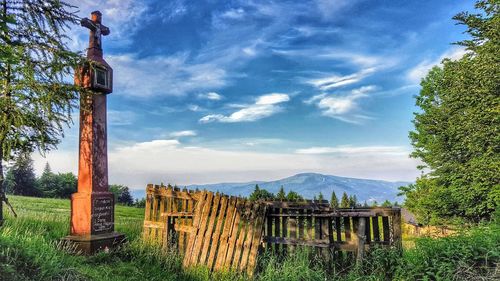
x=233 y=234
x=292 y=224
x=277 y=227
x=309 y=224
x=247 y=245
x=386 y=229
x=207 y=239
x=196 y=224
x=259 y=228
x=226 y=233
x=218 y=229
x=347 y=228
x=312 y=243
x=284 y=229
x=361 y=238
x=300 y=223
x=396 y=229
x=245 y=225
x=195 y=255
x=269 y=228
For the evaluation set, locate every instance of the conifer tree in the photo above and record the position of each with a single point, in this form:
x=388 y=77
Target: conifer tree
x=344 y=202
x=36 y=100
x=334 y=202
x=281 y=195
x=320 y=197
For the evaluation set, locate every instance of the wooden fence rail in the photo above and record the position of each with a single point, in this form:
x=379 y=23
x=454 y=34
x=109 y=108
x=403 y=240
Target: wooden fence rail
x=224 y=232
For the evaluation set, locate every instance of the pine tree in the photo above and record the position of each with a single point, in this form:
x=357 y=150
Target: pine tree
x=334 y=202
x=353 y=201
x=320 y=197
x=281 y=195
x=35 y=98
x=344 y=202
x=20 y=179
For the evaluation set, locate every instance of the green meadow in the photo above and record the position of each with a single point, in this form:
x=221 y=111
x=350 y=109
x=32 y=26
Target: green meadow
x=30 y=250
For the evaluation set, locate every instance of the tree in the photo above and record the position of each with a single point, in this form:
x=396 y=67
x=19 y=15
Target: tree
x=20 y=178
x=121 y=193
x=320 y=197
x=281 y=194
x=293 y=196
x=344 y=202
x=457 y=128
x=36 y=99
x=334 y=202
x=386 y=204
x=353 y=201
x=259 y=194
x=60 y=185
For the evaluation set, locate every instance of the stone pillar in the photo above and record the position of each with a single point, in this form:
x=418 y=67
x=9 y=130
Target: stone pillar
x=92 y=207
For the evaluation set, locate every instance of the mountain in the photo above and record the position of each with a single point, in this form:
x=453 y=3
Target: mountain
x=310 y=184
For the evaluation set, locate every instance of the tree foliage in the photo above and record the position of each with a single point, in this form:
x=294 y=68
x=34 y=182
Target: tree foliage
x=281 y=195
x=122 y=194
x=344 y=202
x=457 y=130
x=60 y=185
x=20 y=178
x=35 y=99
x=334 y=202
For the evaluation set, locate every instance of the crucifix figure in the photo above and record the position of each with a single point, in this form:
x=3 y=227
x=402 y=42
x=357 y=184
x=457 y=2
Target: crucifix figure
x=96 y=29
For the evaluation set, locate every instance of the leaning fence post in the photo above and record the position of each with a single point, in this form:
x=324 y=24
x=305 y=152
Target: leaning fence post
x=361 y=235
x=396 y=225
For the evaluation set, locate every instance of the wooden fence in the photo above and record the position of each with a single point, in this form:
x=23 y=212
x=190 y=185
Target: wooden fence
x=224 y=232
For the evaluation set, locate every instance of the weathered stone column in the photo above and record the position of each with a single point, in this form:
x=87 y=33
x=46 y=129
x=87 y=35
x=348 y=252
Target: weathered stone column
x=92 y=207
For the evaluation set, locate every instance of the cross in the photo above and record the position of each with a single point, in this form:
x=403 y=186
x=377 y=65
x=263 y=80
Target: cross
x=96 y=29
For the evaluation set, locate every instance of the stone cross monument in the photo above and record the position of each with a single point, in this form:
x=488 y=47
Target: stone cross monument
x=92 y=207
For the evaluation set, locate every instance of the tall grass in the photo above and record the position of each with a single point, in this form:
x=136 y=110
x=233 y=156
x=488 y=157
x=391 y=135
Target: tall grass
x=30 y=250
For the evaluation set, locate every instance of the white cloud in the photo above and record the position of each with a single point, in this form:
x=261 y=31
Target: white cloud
x=264 y=106
x=354 y=150
x=335 y=81
x=420 y=71
x=234 y=14
x=156 y=76
x=138 y=164
x=187 y=133
x=342 y=107
x=210 y=96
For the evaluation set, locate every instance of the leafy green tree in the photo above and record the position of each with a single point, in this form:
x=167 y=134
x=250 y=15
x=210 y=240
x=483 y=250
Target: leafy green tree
x=60 y=185
x=35 y=98
x=121 y=193
x=260 y=194
x=281 y=195
x=386 y=203
x=20 y=178
x=457 y=128
x=374 y=203
x=293 y=196
x=334 y=202
x=344 y=202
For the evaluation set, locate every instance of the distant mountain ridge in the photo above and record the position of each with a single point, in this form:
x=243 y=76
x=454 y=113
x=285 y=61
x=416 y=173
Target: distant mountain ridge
x=311 y=184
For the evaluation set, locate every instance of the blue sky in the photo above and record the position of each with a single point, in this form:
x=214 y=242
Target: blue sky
x=213 y=91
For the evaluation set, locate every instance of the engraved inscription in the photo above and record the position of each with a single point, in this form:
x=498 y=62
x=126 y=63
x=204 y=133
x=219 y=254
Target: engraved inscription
x=102 y=215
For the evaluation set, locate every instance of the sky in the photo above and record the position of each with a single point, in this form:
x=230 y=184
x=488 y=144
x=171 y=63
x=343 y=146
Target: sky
x=233 y=91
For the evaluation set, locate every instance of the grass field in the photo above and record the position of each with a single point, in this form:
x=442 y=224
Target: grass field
x=30 y=250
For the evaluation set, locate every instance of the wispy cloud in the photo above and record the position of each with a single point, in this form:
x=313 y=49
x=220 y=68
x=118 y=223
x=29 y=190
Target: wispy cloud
x=419 y=71
x=186 y=133
x=336 y=81
x=120 y=118
x=342 y=107
x=164 y=75
x=263 y=107
x=210 y=96
x=353 y=150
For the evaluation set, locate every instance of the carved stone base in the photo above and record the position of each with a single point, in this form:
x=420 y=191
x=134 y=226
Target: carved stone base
x=90 y=244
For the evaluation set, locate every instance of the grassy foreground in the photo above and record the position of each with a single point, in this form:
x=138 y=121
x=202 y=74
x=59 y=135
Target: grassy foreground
x=29 y=250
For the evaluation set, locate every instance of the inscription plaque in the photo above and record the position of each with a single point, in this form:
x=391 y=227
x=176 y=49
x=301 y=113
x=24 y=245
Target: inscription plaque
x=102 y=215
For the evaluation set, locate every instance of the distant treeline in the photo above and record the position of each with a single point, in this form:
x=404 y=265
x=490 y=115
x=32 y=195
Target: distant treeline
x=347 y=201
x=20 y=179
